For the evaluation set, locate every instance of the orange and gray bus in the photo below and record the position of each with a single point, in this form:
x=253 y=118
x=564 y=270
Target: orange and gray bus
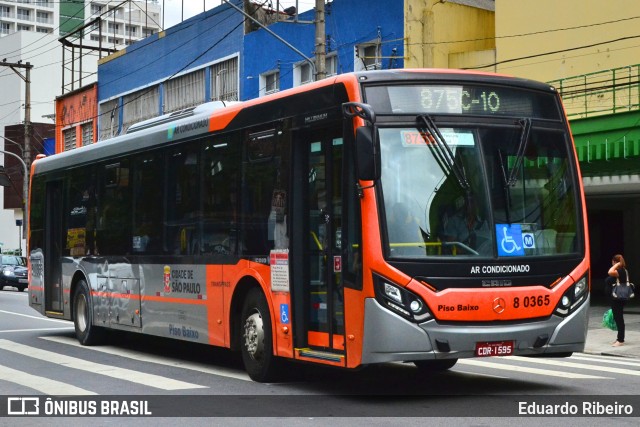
x=388 y=216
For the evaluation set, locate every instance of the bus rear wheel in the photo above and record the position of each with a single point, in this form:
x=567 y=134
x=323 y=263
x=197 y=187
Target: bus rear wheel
x=86 y=332
x=435 y=365
x=257 y=339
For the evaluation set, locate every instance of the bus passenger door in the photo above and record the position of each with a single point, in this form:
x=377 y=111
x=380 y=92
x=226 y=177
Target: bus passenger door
x=322 y=239
x=53 y=242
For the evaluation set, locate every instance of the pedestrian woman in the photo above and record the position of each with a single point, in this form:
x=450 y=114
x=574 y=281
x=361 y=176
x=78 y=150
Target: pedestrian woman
x=618 y=271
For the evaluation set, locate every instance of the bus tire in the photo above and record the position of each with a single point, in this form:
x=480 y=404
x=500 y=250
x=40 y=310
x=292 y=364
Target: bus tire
x=86 y=332
x=256 y=338
x=438 y=365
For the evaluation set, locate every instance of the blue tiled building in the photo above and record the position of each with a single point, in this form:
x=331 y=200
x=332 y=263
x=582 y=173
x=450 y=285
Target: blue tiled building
x=221 y=55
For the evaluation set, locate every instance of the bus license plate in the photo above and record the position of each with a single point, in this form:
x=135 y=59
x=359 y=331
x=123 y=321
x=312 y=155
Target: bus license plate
x=501 y=348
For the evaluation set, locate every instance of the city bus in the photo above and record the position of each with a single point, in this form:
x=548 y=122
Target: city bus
x=415 y=216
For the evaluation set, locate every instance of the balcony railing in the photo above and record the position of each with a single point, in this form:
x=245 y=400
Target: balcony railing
x=608 y=143
x=603 y=92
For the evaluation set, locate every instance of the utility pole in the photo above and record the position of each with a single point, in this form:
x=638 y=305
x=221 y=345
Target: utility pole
x=321 y=48
x=27 y=110
x=27 y=120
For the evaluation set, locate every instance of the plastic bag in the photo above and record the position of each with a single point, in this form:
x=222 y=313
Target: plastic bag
x=608 y=321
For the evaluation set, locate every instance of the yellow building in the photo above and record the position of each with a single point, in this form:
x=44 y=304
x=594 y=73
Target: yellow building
x=550 y=39
x=449 y=33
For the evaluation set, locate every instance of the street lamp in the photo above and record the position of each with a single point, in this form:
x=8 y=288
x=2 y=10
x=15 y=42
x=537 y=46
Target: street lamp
x=25 y=185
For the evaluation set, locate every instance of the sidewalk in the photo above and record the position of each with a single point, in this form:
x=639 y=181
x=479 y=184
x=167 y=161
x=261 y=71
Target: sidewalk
x=599 y=338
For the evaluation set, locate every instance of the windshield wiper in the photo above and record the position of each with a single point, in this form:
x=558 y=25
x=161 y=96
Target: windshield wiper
x=522 y=147
x=443 y=153
x=513 y=173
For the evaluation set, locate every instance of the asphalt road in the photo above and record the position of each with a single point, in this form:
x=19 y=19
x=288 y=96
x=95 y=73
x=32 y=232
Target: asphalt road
x=40 y=357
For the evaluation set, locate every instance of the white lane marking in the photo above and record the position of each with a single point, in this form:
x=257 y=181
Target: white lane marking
x=62 y=328
x=155 y=381
x=39 y=317
x=563 y=364
x=545 y=372
x=145 y=357
x=614 y=360
x=44 y=385
x=477 y=374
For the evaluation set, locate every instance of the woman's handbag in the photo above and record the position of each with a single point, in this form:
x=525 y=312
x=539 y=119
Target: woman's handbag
x=623 y=291
x=608 y=321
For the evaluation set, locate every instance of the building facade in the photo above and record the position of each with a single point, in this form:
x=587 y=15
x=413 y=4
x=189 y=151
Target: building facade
x=43 y=52
x=39 y=16
x=191 y=63
x=449 y=34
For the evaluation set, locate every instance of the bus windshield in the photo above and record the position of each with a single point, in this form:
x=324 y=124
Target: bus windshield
x=487 y=190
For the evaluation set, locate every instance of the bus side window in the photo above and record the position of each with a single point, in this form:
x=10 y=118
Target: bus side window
x=80 y=211
x=219 y=202
x=148 y=173
x=264 y=189
x=113 y=227
x=183 y=201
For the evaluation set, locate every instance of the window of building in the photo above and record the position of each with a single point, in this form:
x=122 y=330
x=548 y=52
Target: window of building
x=368 y=57
x=24 y=14
x=114 y=28
x=109 y=119
x=87 y=133
x=302 y=73
x=269 y=83
x=139 y=106
x=331 y=64
x=43 y=17
x=44 y=30
x=69 y=136
x=5 y=28
x=224 y=80
x=184 y=91
x=5 y=12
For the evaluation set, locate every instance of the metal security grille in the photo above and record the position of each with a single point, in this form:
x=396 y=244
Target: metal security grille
x=224 y=80
x=139 y=106
x=109 y=119
x=69 y=136
x=87 y=133
x=184 y=91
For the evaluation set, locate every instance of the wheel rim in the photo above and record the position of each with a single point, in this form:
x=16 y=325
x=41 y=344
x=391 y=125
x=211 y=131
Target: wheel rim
x=81 y=313
x=254 y=336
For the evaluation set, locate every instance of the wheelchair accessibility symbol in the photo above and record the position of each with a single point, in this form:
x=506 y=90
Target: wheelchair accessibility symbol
x=284 y=313
x=509 y=239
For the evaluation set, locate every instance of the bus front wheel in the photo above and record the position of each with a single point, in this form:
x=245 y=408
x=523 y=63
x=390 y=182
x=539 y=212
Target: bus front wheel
x=86 y=332
x=257 y=341
x=435 y=365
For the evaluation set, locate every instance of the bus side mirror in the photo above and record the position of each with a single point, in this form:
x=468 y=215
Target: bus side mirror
x=367 y=154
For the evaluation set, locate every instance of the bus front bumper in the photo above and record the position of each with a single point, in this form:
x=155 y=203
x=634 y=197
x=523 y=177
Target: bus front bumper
x=389 y=337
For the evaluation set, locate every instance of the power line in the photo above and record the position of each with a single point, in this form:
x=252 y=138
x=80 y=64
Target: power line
x=552 y=52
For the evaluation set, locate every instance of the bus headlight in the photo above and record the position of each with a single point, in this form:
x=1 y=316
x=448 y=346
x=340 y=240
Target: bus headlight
x=400 y=300
x=573 y=298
